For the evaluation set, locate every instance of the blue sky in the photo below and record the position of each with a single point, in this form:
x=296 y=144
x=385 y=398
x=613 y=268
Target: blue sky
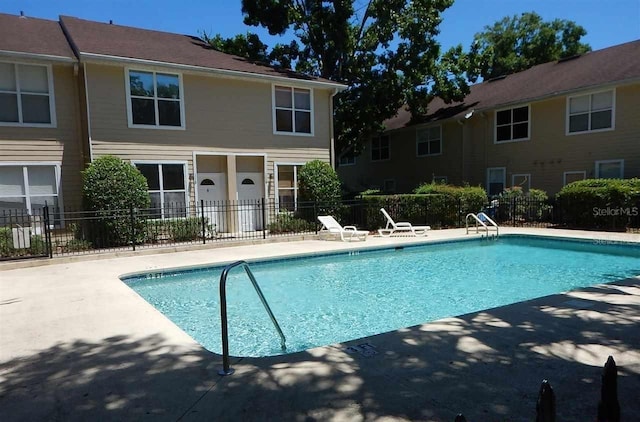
x=608 y=22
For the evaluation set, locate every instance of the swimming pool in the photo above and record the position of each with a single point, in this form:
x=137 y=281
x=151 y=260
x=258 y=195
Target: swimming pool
x=321 y=300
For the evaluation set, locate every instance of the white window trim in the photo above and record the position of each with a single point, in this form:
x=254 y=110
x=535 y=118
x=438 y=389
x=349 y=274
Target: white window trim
x=157 y=126
x=590 y=93
x=273 y=111
x=295 y=182
x=528 y=176
x=51 y=95
x=495 y=124
x=428 y=141
x=389 y=148
x=621 y=161
x=57 y=167
x=344 y=154
x=185 y=171
x=504 y=176
x=567 y=173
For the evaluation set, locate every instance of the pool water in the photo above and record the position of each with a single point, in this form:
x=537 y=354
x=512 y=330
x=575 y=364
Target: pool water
x=335 y=298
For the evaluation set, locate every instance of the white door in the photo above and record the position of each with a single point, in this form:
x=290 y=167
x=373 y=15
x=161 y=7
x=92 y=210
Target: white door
x=250 y=191
x=212 y=189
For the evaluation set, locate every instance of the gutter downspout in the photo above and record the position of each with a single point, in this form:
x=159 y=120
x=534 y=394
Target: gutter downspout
x=332 y=145
x=86 y=99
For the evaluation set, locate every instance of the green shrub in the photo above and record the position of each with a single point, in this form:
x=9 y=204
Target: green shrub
x=111 y=188
x=77 y=245
x=370 y=192
x=470 y=198
x=287 y=223
x=37 y=245
x=185 y=229
x=433 y=210
x=318 y=182
x=599 y=203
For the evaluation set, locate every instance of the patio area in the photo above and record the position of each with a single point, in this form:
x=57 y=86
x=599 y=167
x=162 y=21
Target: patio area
x=78 y=344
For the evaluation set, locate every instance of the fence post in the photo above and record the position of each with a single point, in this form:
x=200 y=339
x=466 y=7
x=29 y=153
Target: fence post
x=459 y=212
x=133 y=228
x=204 y=224
x=608 y=406
x=546 y=404
x=315 y=215
x=513 y=211
x=264 y=218
x=47 y=230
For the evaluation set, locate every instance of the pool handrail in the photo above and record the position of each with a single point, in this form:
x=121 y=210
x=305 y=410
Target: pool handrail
x=477 y=219
x=226 y=369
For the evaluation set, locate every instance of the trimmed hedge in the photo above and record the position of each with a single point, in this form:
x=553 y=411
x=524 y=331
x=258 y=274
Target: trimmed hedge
x=318 y=182
x=600 y=203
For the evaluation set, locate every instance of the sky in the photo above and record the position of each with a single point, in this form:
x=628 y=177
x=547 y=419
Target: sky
x=608 y=22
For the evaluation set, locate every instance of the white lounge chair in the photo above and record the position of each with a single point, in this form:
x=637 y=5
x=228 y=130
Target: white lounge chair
x=347 y=233
x=401 y=227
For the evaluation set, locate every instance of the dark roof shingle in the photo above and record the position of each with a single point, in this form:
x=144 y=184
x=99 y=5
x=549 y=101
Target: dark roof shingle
x=105 y=39
x=21 y=34
x=607 y=66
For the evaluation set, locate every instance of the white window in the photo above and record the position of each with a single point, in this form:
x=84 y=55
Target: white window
x=167 y=188
x=287 y=186
x=26 y=95
x=521 y=180
x=380 y=148
x=591 y=112
x=347 y=158
x=610 y=169
x=573 y=176
x=512 y=124
x=292 y=111
x=429 y=141
x=155 y=100
x=28 y=187
x=496 y=179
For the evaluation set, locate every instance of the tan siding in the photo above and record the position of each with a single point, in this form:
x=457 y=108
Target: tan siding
x=62 y=144
x=222 y=116
x=404 y=166
x=550 y=152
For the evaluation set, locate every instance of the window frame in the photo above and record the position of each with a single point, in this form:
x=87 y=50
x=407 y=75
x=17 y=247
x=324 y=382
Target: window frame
x=51 y=95
x=391 y=182
x=24 y=164
x=495 y=124
x=295 y=187
x=590 y=94
x=504 y=178
x=293 y=110
x=440 y=179
x=566 y=173
x=513 y=180
x=157 y=126
x=428 y=141
x=379 y=138
x=598 y=162
x=347 y=153
x=185 y=175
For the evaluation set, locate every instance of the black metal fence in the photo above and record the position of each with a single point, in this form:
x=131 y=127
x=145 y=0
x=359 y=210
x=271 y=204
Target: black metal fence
x=52 y=231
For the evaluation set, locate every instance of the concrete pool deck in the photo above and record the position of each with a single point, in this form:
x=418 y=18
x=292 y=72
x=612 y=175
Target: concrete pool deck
x=77 y=344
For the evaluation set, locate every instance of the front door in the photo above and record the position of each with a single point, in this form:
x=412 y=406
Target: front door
x=250 y=192
x=212 y=189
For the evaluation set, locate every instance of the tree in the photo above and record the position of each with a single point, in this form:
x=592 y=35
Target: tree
x=384 y=50
x=517 y=43
x=318 y=182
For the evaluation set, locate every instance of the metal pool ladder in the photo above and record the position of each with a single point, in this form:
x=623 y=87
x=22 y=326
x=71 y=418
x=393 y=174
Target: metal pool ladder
x=481 y=220
x=226 y=369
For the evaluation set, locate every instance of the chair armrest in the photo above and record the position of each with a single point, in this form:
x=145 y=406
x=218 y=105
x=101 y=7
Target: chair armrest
x=350 y=228
x=403 y=224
